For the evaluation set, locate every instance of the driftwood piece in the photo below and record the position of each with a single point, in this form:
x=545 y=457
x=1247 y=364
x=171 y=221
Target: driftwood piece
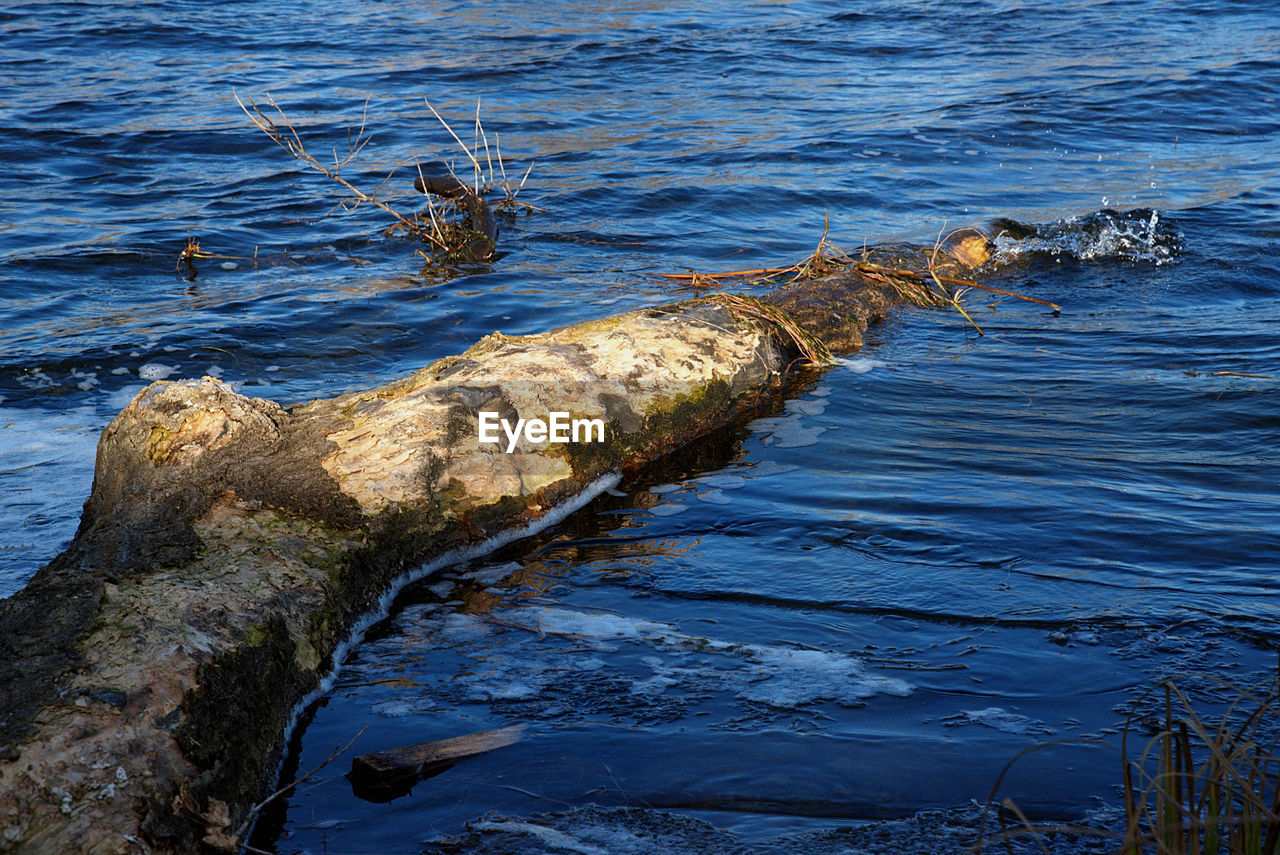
x=478 y=223
x=229 y=545
x=381 y=775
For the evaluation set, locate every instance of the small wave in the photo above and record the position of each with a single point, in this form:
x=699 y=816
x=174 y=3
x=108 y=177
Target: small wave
x=1137 y=235
x=593 y=828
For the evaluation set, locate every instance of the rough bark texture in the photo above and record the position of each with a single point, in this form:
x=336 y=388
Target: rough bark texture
x=148 y=672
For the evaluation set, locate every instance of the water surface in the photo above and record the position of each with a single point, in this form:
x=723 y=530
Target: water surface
x=818 y=630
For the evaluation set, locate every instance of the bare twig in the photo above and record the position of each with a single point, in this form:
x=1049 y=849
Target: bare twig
x=470 y=154
x=282 y=132
x=953 y=296
x=456 y=227
x=732 y=274
x=288 y=788
x=482 y=139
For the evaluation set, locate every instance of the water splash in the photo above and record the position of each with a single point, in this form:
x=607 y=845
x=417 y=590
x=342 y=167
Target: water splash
x=1137 y=235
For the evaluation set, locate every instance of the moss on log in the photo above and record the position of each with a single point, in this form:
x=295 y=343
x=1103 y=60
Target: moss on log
x=148 y=673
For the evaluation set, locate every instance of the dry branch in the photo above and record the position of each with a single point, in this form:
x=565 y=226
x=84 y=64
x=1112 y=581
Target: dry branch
x=284 y=134
x=458 y=230
x=913 y=285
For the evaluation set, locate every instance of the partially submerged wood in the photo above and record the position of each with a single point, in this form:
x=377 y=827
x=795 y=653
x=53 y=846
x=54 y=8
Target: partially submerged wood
x=475 y=236
x=229 y=544
x=380 y=775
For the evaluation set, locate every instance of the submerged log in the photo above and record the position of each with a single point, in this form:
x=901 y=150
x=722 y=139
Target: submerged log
x=478 y=232
x=148 y=673
x=382 y=775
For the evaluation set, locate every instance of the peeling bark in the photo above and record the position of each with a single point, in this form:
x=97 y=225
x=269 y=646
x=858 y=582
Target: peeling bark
x=229 y=544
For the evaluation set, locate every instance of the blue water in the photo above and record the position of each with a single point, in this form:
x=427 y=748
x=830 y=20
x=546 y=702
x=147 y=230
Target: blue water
x=857 y=609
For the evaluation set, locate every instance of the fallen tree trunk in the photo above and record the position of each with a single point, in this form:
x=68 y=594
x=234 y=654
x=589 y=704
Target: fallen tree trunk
x=229 y=544
x=383 y=775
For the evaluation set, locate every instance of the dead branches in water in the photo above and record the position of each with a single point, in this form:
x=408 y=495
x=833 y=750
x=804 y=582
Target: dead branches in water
x=281 y=131
x=483 y=181
x=456 y=225
x=805 y=343
x=826 y=258
x=457 y=212
x=919 y=277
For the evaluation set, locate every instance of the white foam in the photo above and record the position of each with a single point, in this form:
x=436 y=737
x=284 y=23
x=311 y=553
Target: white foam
x=382 y=608
x=441 y=589
x=548 y=836
x=596 y=625
x=768 y=468
x=782 y=677
x=155 y=371
x=1000 y=719
x=86 y=379
x=785 y=677
x=491 y=574
x=502 y=678
x=860 y=364
x=34 y=378
x=398 y=708
x=805 y=407
x=789 y=432
x=655 y=685
x=724 y=482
